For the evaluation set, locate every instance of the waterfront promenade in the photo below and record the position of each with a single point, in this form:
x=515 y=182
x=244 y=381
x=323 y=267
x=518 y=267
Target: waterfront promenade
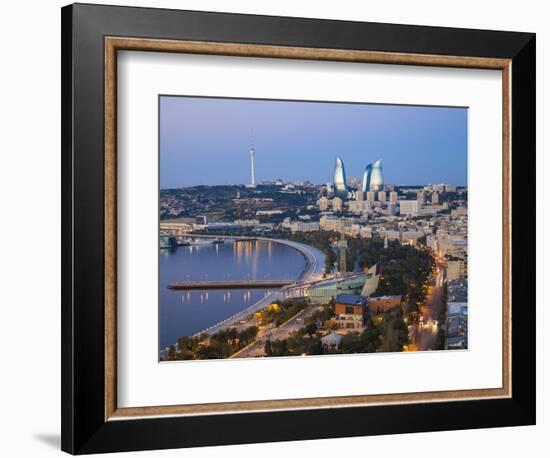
x=229 y=284
x=315 y=263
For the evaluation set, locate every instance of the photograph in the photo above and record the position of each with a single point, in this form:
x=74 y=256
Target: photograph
x=282 y=225
x=310 y=228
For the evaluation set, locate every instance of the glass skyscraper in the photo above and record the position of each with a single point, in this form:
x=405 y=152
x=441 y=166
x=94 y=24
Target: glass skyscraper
x=373 y=177
x=377 y=176
x=365 y=185
x=340 y=183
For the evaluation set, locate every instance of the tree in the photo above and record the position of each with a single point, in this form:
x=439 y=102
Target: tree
x=311 y=328
x=395 y=335
x=350 y=343
x=232 y=334
x=247 y=335
x=172 y=353
x=279 y=348
x=390 y=340
x=267 y=348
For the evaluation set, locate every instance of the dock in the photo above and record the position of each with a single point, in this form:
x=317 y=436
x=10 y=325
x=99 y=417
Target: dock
x=227 y=284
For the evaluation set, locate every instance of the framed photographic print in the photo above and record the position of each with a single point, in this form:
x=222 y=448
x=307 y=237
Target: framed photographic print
x=281 y=228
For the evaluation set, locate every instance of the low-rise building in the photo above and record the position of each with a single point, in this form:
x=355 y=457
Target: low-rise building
x=410 y=237
x=176 y=228
x=332 y=341
x=301 y=226
x=360 y=206
x=333 y=223
x=382 y=303
x=323 y=291
x=350 y=312
x=457 y=269
x=247 y=222
x=269 y=212
x=393 y=235
x=460 y=211
x=456 y=326
x=365 y=232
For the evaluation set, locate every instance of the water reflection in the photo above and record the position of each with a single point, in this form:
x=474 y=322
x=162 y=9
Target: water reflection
x=188 y=312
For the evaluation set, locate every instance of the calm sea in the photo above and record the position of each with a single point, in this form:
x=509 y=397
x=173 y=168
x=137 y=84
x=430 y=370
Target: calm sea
x=184 y=313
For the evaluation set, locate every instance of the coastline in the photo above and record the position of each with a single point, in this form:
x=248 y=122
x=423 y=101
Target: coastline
x=314 y=265
x=314 y=259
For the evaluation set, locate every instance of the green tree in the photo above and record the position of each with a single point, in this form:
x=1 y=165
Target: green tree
x=267 y=348
x=248 y=335
x=311 y=328
x=172 y=353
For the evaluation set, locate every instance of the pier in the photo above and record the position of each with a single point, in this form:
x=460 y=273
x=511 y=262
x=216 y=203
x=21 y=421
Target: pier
x=236 y=284
x=315 y=262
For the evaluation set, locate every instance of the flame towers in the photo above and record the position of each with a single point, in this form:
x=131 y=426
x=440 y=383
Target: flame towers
x=373 y=177
x=377 y=176
x=365 y=185
x=340 y=184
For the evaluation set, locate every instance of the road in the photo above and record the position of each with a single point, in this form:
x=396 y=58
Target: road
x=424 y=333
x=272 y=333
x=243 y=314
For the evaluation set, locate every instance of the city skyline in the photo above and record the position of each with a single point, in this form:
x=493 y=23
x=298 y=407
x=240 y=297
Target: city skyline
x=298 y=141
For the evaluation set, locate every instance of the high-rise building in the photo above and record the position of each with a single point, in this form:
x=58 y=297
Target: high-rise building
x=340 y=184
x=337 y=204
x=365 y=184
x=393 y=196
x=360 y=206
x=408 y=207
x=392 y=208
x=323 y=203
x=359 y=195
x=377 y=176
x=382 y=196
x=420 y=198
x=371 y=196
x=435 y=198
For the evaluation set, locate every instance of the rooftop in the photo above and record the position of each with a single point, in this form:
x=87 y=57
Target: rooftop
x=332 y=337
x=385 y=298
x=350 y=299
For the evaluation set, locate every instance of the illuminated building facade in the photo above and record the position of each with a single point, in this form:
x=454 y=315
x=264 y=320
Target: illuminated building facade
x=340 y=183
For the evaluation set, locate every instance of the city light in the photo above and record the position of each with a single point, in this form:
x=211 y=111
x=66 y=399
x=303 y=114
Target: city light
x=354 y=265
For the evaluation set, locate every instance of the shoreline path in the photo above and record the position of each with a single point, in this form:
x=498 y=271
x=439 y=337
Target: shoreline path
x=315 y=264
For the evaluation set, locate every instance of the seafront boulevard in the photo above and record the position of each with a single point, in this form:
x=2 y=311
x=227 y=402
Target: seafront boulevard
x=315 y=262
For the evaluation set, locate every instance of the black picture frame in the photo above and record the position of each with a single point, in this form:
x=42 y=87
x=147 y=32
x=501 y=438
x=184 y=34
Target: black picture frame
x=84 y=428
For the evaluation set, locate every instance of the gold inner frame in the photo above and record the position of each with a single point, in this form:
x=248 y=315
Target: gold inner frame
x=114 y=44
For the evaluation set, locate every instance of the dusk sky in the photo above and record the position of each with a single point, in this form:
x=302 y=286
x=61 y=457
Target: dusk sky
x=206 y=141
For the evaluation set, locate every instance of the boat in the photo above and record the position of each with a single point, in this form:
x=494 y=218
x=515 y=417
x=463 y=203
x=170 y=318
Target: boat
x=198 y=242
x=168 y=241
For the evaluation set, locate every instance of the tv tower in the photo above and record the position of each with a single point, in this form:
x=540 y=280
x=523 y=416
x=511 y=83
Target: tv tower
x=252 y=153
